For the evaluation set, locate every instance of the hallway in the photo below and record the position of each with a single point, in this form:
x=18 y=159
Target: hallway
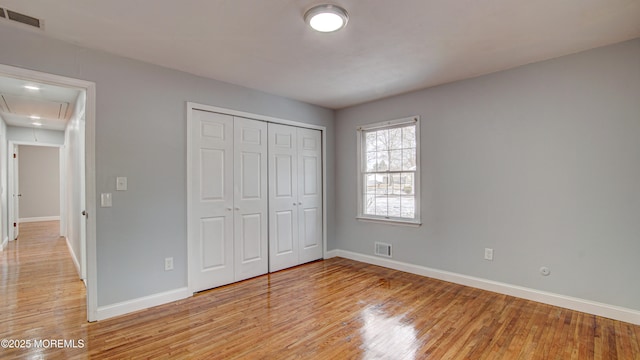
x=41 y=295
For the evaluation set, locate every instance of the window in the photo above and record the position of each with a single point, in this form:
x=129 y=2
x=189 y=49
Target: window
x=389 y=171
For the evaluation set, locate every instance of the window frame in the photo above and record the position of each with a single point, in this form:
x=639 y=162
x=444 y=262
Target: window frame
x=361 y=172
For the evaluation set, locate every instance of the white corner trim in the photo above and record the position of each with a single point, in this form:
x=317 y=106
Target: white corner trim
x=331 y=254
x=125 y=307
x=37 y=219
x=4 y=243
x=568 y=302
x=73 y=257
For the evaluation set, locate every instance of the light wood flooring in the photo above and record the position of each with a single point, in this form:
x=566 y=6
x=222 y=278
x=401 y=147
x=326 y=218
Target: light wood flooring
x=333 y=309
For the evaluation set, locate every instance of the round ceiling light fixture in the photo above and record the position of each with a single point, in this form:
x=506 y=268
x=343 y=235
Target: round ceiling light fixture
x=326 y=18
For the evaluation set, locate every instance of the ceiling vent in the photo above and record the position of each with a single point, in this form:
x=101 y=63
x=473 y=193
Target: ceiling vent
x=21 y=18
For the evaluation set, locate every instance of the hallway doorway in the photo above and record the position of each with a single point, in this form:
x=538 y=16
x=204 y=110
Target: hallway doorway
x=46 y=109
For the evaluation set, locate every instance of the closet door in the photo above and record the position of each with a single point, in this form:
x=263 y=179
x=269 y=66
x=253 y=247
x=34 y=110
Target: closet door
x=295 y=196
x=211 y=218
x=250 y=199
x=309 y=195
x=283 y=197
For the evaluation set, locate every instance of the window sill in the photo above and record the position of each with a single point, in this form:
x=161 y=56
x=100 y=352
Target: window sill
x=414 y=223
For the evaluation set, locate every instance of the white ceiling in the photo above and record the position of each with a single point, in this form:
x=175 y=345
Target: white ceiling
x=388 y=47
x=52 y=104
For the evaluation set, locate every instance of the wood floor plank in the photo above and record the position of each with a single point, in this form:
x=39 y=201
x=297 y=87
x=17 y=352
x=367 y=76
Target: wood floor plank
x=332 y=309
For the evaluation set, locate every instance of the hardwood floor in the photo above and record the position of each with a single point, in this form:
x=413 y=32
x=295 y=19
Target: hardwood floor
x=333 y=309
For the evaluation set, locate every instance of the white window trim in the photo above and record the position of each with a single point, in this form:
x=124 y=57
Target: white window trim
x=383 y=219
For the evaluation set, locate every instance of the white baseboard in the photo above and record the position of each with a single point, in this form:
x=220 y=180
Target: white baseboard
x=73 y=257
x=37 y=219
x=568 y=302
x=331 y=254
x=125 y=307
x=4 y=243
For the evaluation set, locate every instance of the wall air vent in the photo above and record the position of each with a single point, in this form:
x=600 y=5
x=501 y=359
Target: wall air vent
x=383 y=249
x=22 y=18
x=2 y=13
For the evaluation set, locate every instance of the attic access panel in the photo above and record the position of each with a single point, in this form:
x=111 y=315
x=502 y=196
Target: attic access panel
x=26 y=106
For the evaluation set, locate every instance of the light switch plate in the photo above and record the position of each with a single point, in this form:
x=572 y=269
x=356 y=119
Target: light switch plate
x=121 y=183
x=105 y=200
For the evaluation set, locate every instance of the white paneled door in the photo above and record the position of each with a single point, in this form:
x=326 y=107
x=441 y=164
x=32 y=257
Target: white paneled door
x=251 y=256
x=309 y=195
x=283 y=197
x=295 y=196
x=228 y=210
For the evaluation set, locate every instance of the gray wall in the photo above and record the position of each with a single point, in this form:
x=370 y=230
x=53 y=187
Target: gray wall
x=540 y=163
x=141 y=134
x=39 y=181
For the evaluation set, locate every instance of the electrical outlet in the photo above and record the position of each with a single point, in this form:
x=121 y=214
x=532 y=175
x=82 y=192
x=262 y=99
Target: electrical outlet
x=168 y=264
x=488 y=254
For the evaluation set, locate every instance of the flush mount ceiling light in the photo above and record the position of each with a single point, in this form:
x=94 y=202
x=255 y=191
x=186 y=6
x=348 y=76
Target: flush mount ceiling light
x=326 y=18
x=31 y=87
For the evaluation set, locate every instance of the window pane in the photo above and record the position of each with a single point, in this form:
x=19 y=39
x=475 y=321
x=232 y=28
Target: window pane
x=383 y=161
x=409 y=136
x=370 y=184
x=370 y=204
x=395 y=138
x=372 y=159
x=383 y=140
x=381 y=206
x=408 y=207
x=370 y=141
x=408 y=185
x=393 y=203
x=409 y=159
x=395 y=187
x=381 y=184
x=395 y=160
